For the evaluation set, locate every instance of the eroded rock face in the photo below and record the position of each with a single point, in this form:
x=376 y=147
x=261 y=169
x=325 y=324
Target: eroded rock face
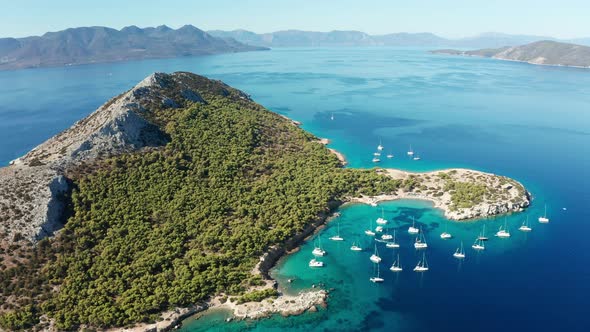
x=32 y=188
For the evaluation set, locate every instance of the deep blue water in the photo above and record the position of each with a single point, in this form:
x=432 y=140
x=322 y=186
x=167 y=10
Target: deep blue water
x=528 y=122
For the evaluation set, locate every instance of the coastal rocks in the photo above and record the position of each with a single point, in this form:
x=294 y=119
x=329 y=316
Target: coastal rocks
x=461 y=193
x=285 y=305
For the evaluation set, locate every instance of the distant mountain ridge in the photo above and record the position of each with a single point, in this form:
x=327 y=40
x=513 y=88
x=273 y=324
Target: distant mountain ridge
x=545 y=52
x=101 y=44
x=299 y=38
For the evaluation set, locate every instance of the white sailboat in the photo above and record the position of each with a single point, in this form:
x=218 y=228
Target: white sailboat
x=332 y=117
x=478 y=245
x=544 y=218
x=337 y=237
x=355 y=247
x=318 y=251
x=386 y=236
x=369 y=231
x=390 y=155
x=482 y=236
x=392 y=244
x=420 y=241
x=397 y=266
x=379 y=147
x=376 y=160
x=377 y=278
x=422 y=265
x=377 y=154
x=413 y=229
x=459 y=253
x=503 y=231
x=446 y=235
x=381 y=220
x=525 y=226
x=410 y=152
x=416 y=157
x=379 y=229
x=315 y=263
x=375 y=256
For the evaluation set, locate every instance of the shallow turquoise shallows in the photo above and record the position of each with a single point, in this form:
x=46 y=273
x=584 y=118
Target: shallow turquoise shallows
x=528 y=122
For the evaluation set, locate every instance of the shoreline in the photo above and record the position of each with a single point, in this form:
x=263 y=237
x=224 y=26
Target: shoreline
x=309 y=300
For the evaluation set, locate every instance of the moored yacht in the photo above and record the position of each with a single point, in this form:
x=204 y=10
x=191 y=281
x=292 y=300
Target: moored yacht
x=410 y=152
x=337 y=237
x=397 y=266
x=315 y=263
x=482 y=236
x=413 y=229
x=392 y=243
x=503 y=231
x=478 y=245
x=420 y=241
x=318 y=251
x=525 y=226
x=446 y=235
x=369 y=231
x=377 y=278
x=544 y=218
x=375 y=256
x=422 y=265
x=459 y=253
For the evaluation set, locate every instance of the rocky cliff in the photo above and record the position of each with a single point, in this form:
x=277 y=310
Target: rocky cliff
x=33 y=186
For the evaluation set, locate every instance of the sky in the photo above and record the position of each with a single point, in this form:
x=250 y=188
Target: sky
x=447 y=18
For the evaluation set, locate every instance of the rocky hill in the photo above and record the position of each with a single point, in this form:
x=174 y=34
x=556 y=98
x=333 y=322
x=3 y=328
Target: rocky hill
x=101 y=44
x=33 y=185
x=538 y=53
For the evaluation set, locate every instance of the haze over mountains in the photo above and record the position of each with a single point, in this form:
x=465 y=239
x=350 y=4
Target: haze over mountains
x=298 y=38
x=101 y=44
x=544 y=52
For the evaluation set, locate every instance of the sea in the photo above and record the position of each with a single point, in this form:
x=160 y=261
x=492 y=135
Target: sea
x=528 y=122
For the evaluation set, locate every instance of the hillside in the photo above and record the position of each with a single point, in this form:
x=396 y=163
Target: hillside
x=170 y=194
x=101 y=44
x=539 y=53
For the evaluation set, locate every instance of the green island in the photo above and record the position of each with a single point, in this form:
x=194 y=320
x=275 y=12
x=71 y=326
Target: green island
x=167 y=227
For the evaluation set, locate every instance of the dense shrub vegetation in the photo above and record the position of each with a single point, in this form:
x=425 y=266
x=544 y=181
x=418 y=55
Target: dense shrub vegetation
x=172 y=226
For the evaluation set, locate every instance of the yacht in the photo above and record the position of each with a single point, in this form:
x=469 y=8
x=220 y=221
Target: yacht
x=478 y=245
x=525 y=226
x=318 y=251
x=459 y=253
x=482 y=236
x=378 y=278
x=420 y=241
x=386 y=236
x=389 y=155
x=416 y=157
x=413 y=229
x=375 y=256
x=337 y=237
x=446 y=235
x=379 y=147
x=369 y=231
x=544 y=218
x=392 y=244
x=381 y=220
x=376 y=160
x=397 y=266
x=422 y=265
x=315 y=263
x=379 y=229
x=503 y=231
x=332 y=117
x=355 y=247
x=410 y=152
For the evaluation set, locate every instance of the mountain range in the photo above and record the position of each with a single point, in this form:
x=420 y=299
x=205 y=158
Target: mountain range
x=544 y=52
x=298 y=38
x=101 y=44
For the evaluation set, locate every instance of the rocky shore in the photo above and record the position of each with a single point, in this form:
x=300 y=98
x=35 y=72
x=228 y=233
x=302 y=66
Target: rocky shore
x=500 y=194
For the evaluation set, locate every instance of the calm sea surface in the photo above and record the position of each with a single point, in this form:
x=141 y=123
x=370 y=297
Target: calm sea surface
x=528 y=122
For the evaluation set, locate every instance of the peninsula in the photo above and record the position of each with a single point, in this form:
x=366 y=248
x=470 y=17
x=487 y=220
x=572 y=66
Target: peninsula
x=178 y=195
x=86 y=45
x=538 y=53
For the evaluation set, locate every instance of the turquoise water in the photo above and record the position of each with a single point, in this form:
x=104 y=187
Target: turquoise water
x=528 y=122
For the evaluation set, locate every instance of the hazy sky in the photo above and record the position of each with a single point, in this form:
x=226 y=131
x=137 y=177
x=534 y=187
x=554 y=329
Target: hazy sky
x=448 y=18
